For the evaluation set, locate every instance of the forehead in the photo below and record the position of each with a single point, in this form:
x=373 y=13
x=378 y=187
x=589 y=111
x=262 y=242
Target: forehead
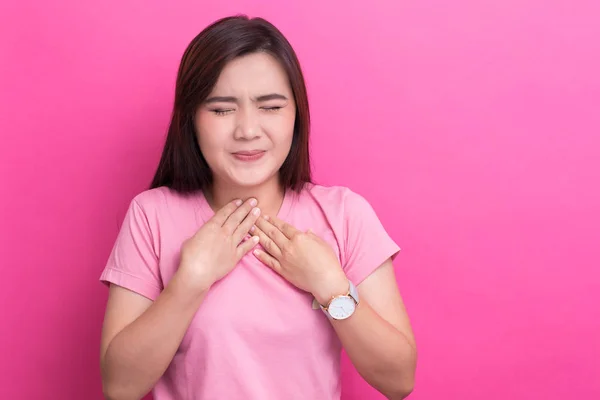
x=253 y=73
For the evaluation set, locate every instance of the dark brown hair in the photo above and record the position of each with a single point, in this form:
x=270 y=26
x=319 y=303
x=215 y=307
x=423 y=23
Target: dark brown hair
x=182 y=166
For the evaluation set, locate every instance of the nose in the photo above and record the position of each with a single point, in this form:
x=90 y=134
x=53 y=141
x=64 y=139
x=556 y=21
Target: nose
x=247 y=125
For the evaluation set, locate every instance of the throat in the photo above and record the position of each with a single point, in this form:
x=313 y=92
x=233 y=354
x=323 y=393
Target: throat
x=270 y=197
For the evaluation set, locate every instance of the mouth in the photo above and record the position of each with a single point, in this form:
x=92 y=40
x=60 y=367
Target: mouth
x=249 y=155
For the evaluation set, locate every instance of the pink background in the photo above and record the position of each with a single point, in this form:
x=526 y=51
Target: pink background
x=473 y=127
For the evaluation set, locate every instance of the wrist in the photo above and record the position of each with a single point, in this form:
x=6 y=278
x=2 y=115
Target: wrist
x=184 y=292
x=330 y=287
x=192 y=282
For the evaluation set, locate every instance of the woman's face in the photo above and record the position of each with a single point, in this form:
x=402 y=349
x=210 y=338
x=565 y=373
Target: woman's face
x=245 y=126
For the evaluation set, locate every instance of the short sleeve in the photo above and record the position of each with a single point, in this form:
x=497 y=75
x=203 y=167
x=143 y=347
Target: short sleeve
x=367 y=243
x=133 y=262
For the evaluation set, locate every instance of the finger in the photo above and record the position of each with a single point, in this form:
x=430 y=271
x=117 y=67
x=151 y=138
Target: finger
x=242 y=230
x=288 y=230
x=312 y=233
x=238 y=215
x=272 y=232
x=268 y=244
x=246 y=246
x=268 y=260
x=221 y=216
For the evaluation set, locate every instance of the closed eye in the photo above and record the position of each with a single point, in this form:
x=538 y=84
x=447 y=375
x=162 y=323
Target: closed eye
x=276 y=108
x=221 y=111
x=225 y=111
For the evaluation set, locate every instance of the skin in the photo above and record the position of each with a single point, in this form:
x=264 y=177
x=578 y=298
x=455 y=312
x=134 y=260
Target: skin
x=252 y=108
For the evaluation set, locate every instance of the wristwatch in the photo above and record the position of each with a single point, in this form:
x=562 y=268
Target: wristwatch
x=342 y=306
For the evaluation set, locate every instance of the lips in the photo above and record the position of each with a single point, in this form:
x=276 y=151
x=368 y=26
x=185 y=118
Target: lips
x=248 y=152
x=249 y=155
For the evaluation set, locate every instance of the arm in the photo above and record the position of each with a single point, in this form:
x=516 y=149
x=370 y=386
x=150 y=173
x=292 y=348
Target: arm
x=140 y=337
x=378 y=337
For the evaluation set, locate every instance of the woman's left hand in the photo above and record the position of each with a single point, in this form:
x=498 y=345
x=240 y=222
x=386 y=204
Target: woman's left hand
x=302 y=258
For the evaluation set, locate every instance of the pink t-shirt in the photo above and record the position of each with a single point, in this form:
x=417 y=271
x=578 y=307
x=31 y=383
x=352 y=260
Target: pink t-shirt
x=255 y=336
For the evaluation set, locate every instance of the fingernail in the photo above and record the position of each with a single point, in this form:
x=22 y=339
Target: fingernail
x=252 y=228
x=256 y=211
x=266 y=217
x=256 y=252
x=255 y=239
x=238 y=203
x=253 y=202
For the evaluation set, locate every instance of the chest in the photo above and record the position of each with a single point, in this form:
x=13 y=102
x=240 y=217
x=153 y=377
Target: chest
x=253 y=307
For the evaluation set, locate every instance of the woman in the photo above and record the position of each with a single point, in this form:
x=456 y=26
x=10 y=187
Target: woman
x=234 y=276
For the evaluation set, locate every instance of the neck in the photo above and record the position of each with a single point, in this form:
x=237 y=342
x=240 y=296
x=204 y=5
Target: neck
x=269 y=194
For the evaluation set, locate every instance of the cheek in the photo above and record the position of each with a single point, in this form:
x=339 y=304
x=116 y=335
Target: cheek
x=282 y=144
x=283 y=133
x=211 y=139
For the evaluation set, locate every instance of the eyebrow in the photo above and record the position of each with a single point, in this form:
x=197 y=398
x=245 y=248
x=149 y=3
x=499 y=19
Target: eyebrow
x=231 y=99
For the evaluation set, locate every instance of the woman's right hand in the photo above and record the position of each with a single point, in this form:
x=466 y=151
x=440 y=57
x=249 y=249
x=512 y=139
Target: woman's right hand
x=219 y=244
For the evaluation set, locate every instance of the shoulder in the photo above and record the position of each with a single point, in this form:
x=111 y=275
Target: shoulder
x=341 y=198
x=344 y=209
x=163 y=216
x=158 y=200
x=164 y=210
x=152 y=198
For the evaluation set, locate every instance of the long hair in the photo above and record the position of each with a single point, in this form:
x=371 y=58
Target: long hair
x=182 y=166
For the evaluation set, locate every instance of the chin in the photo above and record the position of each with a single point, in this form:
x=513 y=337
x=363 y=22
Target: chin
x=249 y=179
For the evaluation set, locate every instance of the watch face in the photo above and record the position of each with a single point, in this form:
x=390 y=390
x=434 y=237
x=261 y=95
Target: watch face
x=342 y=307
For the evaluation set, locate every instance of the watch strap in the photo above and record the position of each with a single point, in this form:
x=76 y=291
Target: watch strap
x=352 y=292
